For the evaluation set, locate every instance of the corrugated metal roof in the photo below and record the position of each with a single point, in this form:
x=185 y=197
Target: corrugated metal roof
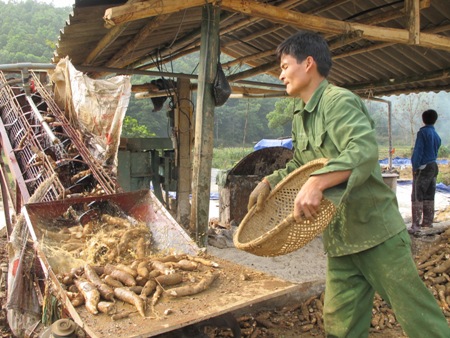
x=374 y=66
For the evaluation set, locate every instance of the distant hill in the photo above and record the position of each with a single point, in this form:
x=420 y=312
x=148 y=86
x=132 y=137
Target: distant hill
x=29 y=31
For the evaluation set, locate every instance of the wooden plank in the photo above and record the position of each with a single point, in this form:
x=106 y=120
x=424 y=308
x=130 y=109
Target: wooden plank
x=145 y=87
x=255 y=91
x=141 y=10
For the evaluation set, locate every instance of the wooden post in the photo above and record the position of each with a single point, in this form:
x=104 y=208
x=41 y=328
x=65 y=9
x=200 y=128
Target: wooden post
x=204 y=123
x=184 y=131
x=412 y=8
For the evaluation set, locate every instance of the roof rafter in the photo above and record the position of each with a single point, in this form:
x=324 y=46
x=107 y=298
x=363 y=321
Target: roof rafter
x=439 y=29
x=193 y=39
x=339 y=41
x=109 y=38
x=141 y=10
x=340 y=32
x=441 y=74
x=124 y=56
x=343 y=39
x=325 y=25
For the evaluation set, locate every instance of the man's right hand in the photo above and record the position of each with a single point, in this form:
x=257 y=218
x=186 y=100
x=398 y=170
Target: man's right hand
x=259 y=195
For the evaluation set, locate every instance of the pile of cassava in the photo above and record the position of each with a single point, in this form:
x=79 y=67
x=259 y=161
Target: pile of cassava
x=433 y=263
x=118 y=264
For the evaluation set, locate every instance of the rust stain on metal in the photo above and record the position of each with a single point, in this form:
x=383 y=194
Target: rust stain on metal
x=244 y=177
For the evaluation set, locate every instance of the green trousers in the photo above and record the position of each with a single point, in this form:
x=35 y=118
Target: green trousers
x=388 y=269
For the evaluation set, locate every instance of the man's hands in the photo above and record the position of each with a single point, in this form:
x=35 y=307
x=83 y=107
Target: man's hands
x=307 y=201
x=259 y=195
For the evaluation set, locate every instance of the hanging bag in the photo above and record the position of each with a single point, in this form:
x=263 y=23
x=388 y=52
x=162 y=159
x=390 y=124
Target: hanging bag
x=221 y=87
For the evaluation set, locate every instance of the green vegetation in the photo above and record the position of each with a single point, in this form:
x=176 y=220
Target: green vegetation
x=444 y=152
x=443 y=177
x=406 y=151
x=401 y=151
x=227 y=158
x=131 y=128
x=29 y=32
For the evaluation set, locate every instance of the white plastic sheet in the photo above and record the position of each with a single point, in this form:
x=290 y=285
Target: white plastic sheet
x=96 y=107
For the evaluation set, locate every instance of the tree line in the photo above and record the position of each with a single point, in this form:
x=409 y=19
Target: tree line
x=30 y=30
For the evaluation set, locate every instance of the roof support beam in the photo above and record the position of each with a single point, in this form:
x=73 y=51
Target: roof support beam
x=141 y=10
x=244 y=59
x=204 y=124
x=434 y=30
x=124 y=56
x=254 y=71
x=412 y=7
x=325 y=25
x=193 y=41
x=184 y=130
x=271 y=67
x=338 y=42
x=109 y=38
x=434 y=76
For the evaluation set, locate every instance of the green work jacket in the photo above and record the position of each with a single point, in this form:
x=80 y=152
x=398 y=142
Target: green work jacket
x=335 y=124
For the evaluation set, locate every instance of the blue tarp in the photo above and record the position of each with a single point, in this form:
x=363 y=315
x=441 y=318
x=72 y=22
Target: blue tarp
x=441 y=187
x=401 y=161
x=396 y=161
x=266 y=143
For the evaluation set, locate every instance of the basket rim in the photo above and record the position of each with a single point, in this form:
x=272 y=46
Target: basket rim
x=307 y=166
x=282 y=225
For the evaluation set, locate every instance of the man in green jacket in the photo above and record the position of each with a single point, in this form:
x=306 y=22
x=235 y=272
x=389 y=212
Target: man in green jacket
x=367 y=244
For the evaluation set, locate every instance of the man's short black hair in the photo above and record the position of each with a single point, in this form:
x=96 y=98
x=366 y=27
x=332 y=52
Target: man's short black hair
x=429 y=117
x=303 y=44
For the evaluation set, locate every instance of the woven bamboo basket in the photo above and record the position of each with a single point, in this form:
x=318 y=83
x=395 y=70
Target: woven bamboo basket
x=273 y=230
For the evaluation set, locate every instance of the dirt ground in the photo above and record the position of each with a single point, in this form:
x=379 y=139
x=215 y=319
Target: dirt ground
x=272 y=322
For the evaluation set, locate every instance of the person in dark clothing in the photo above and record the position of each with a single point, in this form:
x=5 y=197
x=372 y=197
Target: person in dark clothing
x=425 y=171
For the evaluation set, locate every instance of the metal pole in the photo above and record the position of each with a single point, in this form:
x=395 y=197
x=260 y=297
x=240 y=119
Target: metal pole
x=389 y=103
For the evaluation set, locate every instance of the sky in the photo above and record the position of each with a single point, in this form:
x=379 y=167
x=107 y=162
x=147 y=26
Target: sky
x=58 y=3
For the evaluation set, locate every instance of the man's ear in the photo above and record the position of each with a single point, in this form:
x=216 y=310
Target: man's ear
x=310 y=62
